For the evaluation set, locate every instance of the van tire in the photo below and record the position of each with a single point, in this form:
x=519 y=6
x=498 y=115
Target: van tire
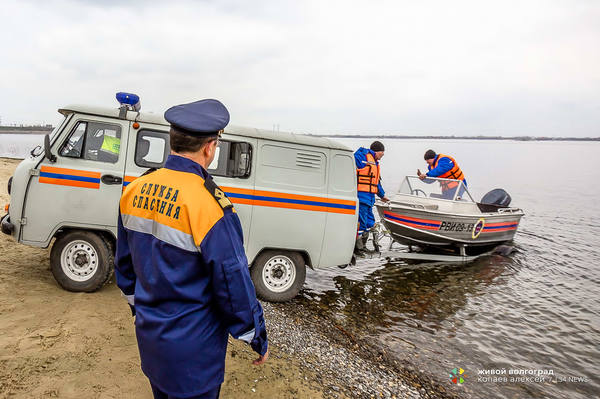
x=278 y=275
x=81 y=261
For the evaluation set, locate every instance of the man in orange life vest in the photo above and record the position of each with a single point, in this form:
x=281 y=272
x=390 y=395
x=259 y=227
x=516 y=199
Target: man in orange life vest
x=443 y=166
x=369 y=184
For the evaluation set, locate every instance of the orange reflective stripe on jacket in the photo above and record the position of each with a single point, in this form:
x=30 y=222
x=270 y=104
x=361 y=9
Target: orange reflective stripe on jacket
x=454 y=173
x=368 y=176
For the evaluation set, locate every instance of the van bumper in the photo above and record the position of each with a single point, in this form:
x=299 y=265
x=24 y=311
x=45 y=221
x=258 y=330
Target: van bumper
x=7 y=226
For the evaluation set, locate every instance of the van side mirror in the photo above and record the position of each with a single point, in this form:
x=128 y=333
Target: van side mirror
x=51 y=157
x=242 y=159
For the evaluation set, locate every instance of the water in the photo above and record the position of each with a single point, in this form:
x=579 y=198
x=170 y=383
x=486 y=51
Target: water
x=538 y=309
x=19 y=145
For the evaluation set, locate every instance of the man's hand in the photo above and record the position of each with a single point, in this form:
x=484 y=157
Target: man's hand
x=261 y=359
x=385 y=199
x=421 y=175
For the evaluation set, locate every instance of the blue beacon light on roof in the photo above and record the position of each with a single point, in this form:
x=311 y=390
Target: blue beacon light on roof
x=127 y=98
x=128 y=101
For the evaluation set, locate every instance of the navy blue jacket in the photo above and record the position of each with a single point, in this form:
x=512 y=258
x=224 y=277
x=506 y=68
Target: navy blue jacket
x=180 y=260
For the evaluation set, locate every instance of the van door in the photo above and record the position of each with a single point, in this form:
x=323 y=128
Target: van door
x=340 y=231
x=232 y=168
x=148 y=149
x=82 y=188
x=236 y=154
x=290 y=199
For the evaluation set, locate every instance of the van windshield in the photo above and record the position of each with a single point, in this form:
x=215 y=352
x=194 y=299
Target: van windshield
x=59 y=127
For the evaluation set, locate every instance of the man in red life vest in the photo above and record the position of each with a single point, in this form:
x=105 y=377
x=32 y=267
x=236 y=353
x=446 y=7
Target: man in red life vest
x=369 y=184
x=443 y=166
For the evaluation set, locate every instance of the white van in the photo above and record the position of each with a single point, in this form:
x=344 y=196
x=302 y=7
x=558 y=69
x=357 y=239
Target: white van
x=295 y=196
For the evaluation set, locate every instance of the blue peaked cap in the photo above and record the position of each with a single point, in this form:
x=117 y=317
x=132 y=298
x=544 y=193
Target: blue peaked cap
x=200 y=118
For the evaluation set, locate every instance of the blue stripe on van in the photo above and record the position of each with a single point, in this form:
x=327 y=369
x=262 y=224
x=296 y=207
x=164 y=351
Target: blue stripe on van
x=69 y=177
x=290 y=201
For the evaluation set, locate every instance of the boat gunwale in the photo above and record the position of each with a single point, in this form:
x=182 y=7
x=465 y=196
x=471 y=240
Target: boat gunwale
x=516 y=211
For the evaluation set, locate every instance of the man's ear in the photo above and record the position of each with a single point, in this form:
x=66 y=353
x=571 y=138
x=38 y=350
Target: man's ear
x=206 y=149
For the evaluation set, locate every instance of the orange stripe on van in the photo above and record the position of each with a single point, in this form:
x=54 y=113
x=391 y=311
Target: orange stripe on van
x=287 y=196
x=71 y=183
x=329 y=205
x=74 y=172
x=69 y=177
x=291 y=206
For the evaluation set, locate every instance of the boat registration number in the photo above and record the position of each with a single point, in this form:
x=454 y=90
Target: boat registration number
x=456 y=226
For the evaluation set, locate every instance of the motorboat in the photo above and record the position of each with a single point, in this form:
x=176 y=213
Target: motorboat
x=423 y=215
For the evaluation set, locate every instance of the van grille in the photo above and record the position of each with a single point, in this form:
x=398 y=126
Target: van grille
x=307 y=160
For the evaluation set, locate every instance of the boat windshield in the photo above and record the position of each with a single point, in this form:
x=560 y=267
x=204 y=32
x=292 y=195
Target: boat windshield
x=448 y=189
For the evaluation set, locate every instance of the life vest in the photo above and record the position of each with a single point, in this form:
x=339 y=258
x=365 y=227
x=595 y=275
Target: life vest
x=368 y=176
x=111 y=144
x=454 y=173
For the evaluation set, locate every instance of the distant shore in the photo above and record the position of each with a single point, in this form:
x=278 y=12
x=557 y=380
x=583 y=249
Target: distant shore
x=26 y=129
x=516 y=138
x=48 y=128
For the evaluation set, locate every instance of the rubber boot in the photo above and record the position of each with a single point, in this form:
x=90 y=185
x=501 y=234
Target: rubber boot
x=365 y=238
x=376 y=243
x=359 y=247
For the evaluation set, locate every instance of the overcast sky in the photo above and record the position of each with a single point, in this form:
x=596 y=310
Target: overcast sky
x=372 y=67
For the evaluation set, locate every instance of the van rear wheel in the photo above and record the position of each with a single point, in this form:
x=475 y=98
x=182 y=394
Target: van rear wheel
x=81 y=261
x=278 y=276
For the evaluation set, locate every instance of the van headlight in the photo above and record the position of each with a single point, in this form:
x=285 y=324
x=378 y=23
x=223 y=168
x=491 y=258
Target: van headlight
x=9 y=184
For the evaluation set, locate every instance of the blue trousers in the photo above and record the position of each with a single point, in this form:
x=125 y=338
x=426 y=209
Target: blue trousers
x=212 y=394
x=366 y=220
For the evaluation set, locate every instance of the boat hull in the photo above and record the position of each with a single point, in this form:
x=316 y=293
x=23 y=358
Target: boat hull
x=412 y=226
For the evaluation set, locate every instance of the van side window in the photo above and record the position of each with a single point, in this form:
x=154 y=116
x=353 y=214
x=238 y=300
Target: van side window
x=342 y=181
x=94 y=141
x=232 y=159
x=151 y=148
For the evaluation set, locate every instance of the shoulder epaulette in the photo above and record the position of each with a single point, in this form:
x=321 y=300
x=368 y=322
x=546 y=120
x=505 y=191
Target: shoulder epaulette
x=216 y=192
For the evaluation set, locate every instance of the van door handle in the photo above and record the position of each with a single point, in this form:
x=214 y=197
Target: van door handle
x=110 y=179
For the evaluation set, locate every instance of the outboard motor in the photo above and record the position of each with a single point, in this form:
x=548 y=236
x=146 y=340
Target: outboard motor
x=497 y=198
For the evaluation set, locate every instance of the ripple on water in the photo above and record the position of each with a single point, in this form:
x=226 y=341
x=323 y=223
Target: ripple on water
x=524 y=311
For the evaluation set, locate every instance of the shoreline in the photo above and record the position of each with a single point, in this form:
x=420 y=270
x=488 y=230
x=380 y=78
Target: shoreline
x=346 y=363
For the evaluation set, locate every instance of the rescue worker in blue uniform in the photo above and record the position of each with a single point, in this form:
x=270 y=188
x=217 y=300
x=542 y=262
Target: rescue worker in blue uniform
x=368 y=184
x=180 y=263
x=443 y=166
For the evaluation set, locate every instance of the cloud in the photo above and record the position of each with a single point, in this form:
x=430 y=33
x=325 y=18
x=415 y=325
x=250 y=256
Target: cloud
x=463 y=67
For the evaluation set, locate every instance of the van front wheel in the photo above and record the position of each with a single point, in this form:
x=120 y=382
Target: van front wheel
x=81 y=261
x=278 y=276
